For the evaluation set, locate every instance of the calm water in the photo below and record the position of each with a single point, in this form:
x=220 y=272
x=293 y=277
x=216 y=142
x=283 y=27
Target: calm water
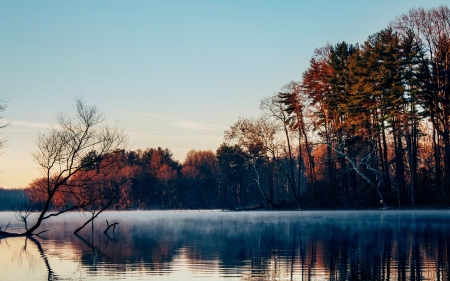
x=335 y=245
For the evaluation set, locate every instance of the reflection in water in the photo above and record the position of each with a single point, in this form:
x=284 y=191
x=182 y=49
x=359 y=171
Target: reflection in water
x=378 y=245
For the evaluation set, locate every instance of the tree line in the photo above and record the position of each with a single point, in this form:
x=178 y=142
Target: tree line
x=367 y=126
x=10 y=198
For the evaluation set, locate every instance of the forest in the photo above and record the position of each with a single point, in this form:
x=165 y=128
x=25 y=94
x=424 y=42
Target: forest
x=366 y=126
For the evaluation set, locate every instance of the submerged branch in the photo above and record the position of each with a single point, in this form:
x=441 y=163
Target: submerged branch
x=109 y=226
x=94 y=216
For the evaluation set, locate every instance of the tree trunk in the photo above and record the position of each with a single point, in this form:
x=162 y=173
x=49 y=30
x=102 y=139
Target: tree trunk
x=41 y=215
x=312 y=177
x=399 y=165
x=446 y=140
x=437 y=158
x=386 y=175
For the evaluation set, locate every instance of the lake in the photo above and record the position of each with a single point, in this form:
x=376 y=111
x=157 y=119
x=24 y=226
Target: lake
x=213 y=245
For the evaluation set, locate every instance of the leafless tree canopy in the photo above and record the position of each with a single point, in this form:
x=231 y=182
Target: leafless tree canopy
x=61 y=151
x=79 y=141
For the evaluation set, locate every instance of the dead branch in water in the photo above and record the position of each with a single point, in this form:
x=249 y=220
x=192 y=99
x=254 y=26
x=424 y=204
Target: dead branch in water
x=109 y=226
x=94 y=216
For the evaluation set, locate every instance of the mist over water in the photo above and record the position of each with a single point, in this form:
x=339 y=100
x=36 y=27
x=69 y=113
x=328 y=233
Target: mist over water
x=193 y=245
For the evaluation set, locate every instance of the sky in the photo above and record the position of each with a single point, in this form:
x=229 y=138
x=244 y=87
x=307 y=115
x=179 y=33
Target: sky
x=172 y=74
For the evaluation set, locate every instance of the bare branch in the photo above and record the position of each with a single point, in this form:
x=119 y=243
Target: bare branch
x=109 y=226
x=356 y=168
x=79 y=142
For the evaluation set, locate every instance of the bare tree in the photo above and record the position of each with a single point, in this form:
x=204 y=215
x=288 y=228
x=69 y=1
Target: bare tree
x=362 y=166
x=262 y=139
x=274 y=111
x=79 y=142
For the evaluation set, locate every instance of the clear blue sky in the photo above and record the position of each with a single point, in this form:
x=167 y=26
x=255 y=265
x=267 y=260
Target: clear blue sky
x=174 y=74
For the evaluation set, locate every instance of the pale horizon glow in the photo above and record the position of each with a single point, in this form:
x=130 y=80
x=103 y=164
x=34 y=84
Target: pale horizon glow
x=173 y=74
x=30 y=124
x=199 y=125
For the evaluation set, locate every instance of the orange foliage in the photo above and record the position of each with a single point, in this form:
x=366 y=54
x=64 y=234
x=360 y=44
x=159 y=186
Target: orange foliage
x=320 y=157
x=37 y=193
x=92 y=187
x=166 y=173
x=37 y=190
x=190 y=172
x=200 y=163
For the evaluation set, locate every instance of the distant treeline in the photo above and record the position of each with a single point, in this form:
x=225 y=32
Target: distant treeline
x=367 y=126
x=153 y=179
x=12 y=198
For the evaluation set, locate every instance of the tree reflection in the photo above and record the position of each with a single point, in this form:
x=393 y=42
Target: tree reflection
x=30 y=254
x=51 y=274
x=279 y=246
x=359 y=249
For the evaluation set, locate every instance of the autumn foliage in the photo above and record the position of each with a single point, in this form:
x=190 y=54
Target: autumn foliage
x=367 y=125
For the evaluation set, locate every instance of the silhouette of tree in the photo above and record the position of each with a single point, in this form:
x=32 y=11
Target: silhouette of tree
x=62 y=155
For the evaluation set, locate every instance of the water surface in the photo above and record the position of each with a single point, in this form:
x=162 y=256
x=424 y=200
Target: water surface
x=207 y=245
